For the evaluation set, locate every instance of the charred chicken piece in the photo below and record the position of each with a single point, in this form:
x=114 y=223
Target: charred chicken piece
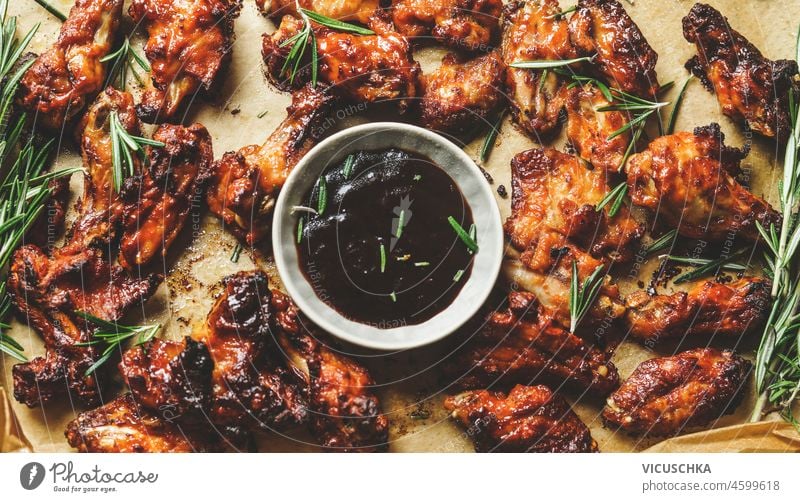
x=189 y=48
x=157 y=203
x=689 y=179
x=750 y=88
x=122 y=426
x=66 y=77
x=461 y=94
x=244 y=185
x=602 y=29
x=343 y=413
x=588 y=129
x=556 y=192
x=533 y=30
x=528 y=419
x=666 y=395
x=708 y=309
x=359 y=68
x=470 y=25
x=48 y=290
x=525 y=344
x=250 y=382
x=367 y=12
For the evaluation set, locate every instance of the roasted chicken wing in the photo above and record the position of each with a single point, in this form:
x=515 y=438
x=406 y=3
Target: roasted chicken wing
x=66 y=77
x=189 y=48
x=528 y=419
x=603 y=30
x=533 y=30
x=462 y=94
x=710 y=308
x=589 y=129
x=470 y=25
x=689 y=179
x=666 y=395
x=751 y=89
x=244 y=185
x=523 y=344
x=360 y=68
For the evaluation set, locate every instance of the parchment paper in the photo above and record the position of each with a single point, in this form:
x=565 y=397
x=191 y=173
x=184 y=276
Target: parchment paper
x=409 y=383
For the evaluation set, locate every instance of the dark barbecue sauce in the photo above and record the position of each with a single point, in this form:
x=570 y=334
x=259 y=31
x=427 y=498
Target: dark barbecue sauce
x=365 y=198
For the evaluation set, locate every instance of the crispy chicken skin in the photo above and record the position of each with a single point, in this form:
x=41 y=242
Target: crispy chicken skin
x=159 y=200
x=532 y=30
x=189 y=48
x=602 y=29
x=470 y=25
x=710 y=308
x=343 y=412
x=123 y=426
x=359 y=11
x=244 y=185
x=47 y=290
x=359 y=68
x=666 y=395
x=461 y=94
x=66 y=77
x=528 y=419
x=689 y=179
x=750 y=88
x=588 y=129
x=555 y=192
x=525 y=344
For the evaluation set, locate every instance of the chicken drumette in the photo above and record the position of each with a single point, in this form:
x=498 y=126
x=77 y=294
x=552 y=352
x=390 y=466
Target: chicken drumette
x=708 y=309
x=533 y=30
x=603 y=30
x=666 y=395
x=66 y=77
x=245 y=184
x=690 y=180
x=525 y=344
x=751 y=89
x=460 y=24
x=462 y=94
x=528 y=419
x=189 y=48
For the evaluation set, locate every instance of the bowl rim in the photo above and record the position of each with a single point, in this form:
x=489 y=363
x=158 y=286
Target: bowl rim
x=469 y=179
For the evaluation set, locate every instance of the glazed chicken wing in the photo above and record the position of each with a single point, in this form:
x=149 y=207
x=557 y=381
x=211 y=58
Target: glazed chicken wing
x=528 y=419
x=524 y=344
x=122 y=426
x=603 y=30
x=589 y=129
x=666 y=395
x=66 y=77
x=360 y=11
x=189 y=48
x=533 y=30
x=359 y=68
x=470 y=25
x=708 y=309
x=462 y=94
x=244 y=185
x=751 y=89
x=689 y=179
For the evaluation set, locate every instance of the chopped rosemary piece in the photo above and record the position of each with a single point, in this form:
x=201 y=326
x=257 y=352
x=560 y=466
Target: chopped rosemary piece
x=393 y=296
x=463 y=235
x=383 y=258
x=617 y=195
x=322 y=194
x=417 y=177
x=300 y=230
x=236 y=252
x=347 y=170
x=52 y=10
x=706 y=266
x=662 y=242
x=262 y=114
x=405 y=257
x=421 y=264
x=458 y=275
x=490 y=139
x=673 y=116
x=113 y=335
x=401 y=220
x=581 y=298
x=123 y=146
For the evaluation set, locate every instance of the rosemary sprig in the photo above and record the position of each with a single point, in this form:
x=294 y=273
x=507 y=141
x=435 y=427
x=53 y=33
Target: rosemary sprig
x=616 y=197
x=563 y=13
x=491 y=137
x=546 y=64
x=661 y=243
x=113 y=335
x=706 y=266
x=463 y=235
x=123 y=60
x=299 y=42
x=673 y=116
x=123 y=146
x=582 y=297
x=639 y=110
x=52 y=10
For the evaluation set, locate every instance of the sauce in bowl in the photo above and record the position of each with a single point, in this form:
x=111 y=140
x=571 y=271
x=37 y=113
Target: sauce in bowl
x=386 y=238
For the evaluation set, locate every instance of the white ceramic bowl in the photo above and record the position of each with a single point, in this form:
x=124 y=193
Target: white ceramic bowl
x=476 y=191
